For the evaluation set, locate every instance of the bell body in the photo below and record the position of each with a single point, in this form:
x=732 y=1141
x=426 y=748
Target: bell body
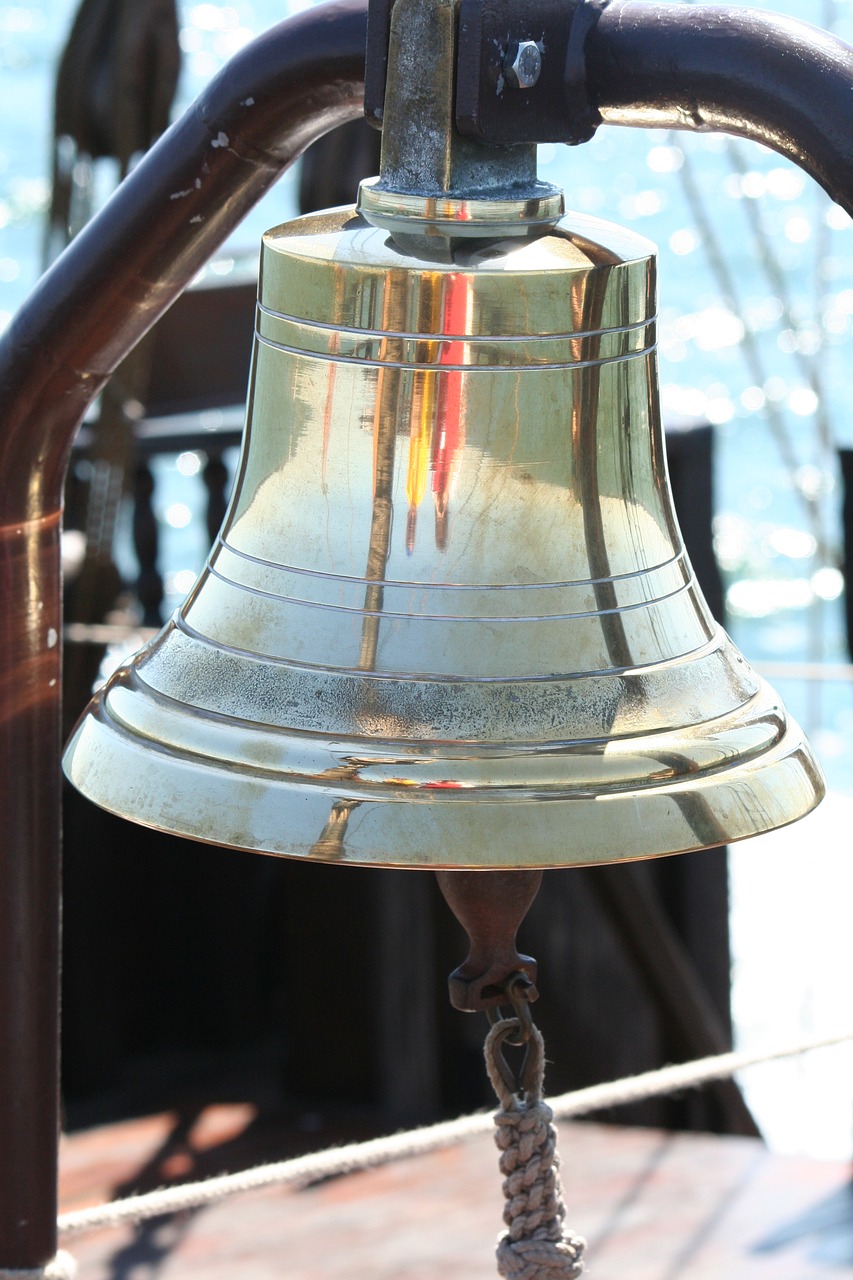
x=449 y=620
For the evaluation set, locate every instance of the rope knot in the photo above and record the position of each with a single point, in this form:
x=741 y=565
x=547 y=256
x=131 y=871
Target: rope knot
x=534 y=1259
x=534 y=1245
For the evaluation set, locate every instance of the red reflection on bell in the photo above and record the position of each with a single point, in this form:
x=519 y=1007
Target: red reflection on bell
x=450 y=435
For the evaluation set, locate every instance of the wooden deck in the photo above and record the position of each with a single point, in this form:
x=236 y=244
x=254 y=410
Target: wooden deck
x=653 y=1206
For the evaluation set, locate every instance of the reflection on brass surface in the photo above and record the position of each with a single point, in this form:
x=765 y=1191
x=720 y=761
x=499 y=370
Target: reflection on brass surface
x=449 y=620
x=432 y=215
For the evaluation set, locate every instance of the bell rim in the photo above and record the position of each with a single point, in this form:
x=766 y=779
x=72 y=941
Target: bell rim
x=138 y=779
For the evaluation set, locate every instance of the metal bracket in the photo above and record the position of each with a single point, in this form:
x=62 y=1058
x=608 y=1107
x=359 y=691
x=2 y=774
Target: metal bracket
x=489 y=109
x=376 y=59
x=557 y=107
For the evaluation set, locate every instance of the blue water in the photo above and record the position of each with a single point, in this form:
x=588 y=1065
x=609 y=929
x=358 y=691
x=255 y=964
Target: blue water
x=776 y=483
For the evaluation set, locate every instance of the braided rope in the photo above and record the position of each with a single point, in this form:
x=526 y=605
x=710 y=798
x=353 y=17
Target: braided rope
x=535 y=1245
x=302 y=1170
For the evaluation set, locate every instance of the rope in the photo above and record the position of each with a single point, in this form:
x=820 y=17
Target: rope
x=63 y=1267
x=357 y=1156
x=534 y=1246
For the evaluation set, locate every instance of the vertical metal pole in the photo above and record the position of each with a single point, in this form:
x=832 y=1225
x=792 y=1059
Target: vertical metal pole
x=114 y=281
x=29 y=891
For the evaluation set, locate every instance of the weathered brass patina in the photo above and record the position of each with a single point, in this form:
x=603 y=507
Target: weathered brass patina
x=449 y=620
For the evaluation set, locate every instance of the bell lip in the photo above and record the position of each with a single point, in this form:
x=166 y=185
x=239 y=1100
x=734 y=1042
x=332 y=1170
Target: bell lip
x=116 y=772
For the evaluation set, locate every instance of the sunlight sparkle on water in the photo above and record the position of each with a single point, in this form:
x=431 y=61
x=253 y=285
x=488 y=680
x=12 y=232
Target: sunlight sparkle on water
x=784 y=183
x=665 y=159
x=715 y=328
x=794 y=543
x=798 y=229
x=753 y=399
x=684 y=241
x=803 y=401
x=213 y=17
x=828 y=582
x=643 y=204
x=760 y=597
x=189 y=463
x=181 y=583
x=17 y=19
x=837 y=218
x=732 y=535
x=178 y=515
x=812 y=481
x=688 y=402
x=720 y=410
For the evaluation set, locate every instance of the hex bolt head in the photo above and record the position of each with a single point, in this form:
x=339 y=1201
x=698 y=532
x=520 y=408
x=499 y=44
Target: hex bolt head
x=523 y=64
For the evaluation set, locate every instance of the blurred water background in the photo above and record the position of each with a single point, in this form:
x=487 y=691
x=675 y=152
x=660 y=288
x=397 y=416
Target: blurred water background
x=756 y=282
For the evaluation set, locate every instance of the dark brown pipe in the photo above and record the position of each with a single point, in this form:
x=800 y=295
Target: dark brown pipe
x=276 y=97
x=712 y=68
x=30 y=623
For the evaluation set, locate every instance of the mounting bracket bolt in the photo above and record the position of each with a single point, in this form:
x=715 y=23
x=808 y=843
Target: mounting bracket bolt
x=523 y=64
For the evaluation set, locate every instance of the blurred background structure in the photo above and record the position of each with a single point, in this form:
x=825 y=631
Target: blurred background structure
x=192 y=968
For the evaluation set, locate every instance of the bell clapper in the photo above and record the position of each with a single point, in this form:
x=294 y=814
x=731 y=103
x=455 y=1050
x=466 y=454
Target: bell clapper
x=490 y=906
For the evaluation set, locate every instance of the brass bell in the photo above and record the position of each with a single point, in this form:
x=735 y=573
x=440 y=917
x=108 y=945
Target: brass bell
x=449 y=620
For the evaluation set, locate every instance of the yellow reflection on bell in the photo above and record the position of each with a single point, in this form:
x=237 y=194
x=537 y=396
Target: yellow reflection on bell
x=449 y=620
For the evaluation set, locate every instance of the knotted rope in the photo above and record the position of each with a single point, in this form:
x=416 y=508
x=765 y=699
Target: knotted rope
x=63 y=1267
x=535 y=1245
